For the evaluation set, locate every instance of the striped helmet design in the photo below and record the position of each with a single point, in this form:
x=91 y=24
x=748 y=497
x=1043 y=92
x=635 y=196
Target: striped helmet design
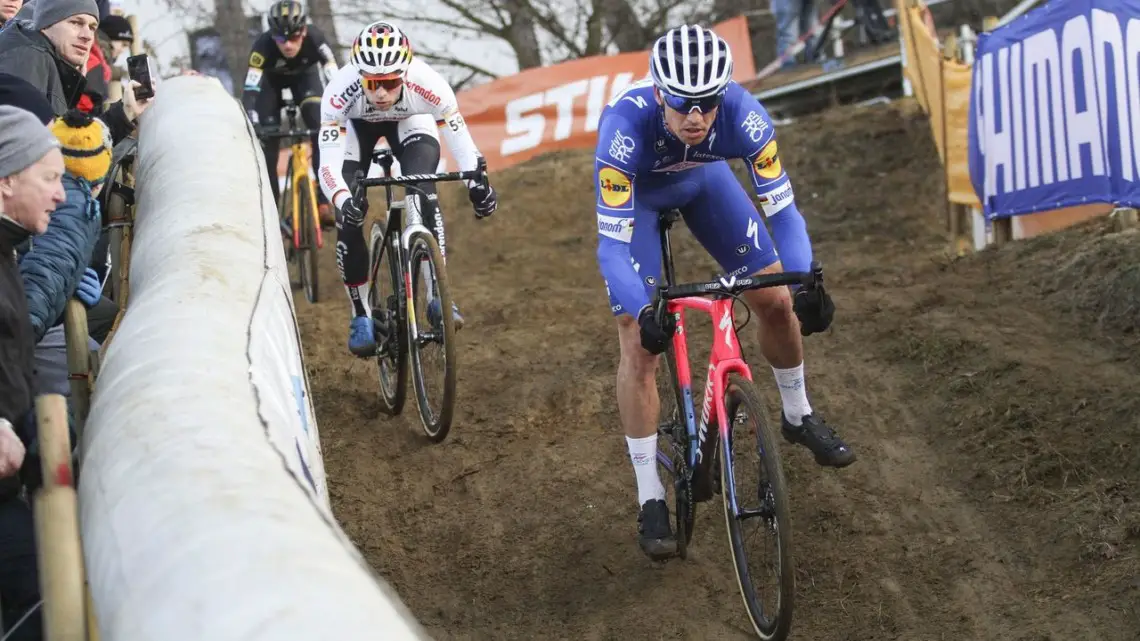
x=286 y=18
x=690 y=62
x=382 y=49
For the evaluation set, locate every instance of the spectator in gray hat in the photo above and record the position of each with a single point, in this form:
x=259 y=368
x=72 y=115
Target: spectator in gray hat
x=51 y=53
x=31 y=166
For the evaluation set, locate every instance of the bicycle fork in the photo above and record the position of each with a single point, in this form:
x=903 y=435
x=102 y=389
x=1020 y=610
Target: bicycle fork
x=415 y=223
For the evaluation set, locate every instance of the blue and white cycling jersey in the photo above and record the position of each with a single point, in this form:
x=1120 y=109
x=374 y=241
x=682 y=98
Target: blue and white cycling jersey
x=641 y=169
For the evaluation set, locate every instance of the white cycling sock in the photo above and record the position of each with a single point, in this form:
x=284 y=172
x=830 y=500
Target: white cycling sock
x=358 y=294
x=643 y=455
x=793 y=393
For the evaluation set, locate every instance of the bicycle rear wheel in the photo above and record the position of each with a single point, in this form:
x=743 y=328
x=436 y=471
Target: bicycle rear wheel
x=763 y=502
x=673 y=454
x=435 y=342
x=386 y=298
x=307 y=260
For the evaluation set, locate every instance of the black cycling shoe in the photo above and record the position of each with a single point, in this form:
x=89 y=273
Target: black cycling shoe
x=814 y=434
x=655 y=535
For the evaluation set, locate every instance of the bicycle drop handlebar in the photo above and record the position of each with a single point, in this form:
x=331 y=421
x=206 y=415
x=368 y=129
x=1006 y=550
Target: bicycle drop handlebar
x=362 y=183
x=725 y=287
x=288 y=133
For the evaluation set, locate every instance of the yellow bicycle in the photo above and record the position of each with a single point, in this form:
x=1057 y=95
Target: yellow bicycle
x=298 y=203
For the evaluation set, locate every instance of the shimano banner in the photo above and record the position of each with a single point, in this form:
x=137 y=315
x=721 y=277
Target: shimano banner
x=1055 y=105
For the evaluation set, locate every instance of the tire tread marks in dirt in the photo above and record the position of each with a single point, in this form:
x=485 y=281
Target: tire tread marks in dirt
x=991 y=398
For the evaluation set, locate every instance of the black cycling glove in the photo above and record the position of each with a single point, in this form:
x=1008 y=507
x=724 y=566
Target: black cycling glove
x=352 y=213
x=655 y=338
x=483 y=198
x=814 y=308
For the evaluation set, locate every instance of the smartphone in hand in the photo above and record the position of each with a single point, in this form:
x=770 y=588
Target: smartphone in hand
x=141 y=70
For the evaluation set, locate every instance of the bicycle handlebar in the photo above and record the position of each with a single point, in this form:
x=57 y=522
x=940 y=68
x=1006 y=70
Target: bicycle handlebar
x=288 y=133
x=362 y=183
x=734 y=286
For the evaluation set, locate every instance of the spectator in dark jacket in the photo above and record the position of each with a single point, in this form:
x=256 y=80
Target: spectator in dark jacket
x=8 y=10
x=51 y=53
x=54 y=266
x=31 y=167
x=17 y=92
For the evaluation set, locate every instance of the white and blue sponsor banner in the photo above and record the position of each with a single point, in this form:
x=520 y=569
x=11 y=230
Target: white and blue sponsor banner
x=1055 y=110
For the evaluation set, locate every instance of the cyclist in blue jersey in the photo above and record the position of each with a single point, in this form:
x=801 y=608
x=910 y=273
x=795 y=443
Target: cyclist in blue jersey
x=664 y=144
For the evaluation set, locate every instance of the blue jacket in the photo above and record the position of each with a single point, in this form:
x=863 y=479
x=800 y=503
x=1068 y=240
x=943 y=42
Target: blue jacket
x=52 y=264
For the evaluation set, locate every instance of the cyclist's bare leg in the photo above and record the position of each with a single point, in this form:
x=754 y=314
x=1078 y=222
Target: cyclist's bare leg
x=639 y=407
x=777 y=325
x=782 y=346
x=638 y=403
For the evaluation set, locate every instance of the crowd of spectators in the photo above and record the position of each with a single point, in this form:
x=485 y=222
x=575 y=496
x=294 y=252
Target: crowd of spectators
x=58 y=127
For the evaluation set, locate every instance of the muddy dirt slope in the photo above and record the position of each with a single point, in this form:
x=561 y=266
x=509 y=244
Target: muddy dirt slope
x=992 y=400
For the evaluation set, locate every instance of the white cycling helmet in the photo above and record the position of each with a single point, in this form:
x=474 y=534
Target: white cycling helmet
x=381 y=49
x=690 y=62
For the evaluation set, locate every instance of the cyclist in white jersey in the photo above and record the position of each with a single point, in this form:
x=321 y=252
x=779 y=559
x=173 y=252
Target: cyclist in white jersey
x=387 y=93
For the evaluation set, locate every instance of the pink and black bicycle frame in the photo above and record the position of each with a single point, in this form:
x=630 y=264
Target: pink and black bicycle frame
x=724 y=359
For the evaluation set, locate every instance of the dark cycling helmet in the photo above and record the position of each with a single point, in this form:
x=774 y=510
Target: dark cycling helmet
x=287 y=18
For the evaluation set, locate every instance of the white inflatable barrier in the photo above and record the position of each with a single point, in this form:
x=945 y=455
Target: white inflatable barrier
x=204 y=510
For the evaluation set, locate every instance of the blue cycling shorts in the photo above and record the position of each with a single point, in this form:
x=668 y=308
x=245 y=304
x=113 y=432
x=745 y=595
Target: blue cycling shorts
x=716 y=209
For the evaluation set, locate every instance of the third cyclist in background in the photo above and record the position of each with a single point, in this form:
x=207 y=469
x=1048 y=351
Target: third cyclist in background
x=387 y=93
x=295 y=55
x=664 y=143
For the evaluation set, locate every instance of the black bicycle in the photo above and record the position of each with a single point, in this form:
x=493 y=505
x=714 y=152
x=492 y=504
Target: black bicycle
x=414 y=280
x=701 y=466
x=297 y=206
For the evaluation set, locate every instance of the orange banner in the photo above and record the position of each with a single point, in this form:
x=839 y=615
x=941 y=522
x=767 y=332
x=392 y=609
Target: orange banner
x=516 y=118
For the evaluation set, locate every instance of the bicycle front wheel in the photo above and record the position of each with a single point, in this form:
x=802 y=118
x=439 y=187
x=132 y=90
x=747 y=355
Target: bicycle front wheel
x=755 y=496
x=308 y=251
x=385 y=297
x=432 y=346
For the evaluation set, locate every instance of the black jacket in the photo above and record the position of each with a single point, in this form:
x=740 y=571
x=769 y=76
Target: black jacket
x=17 y=342
x=28 y=54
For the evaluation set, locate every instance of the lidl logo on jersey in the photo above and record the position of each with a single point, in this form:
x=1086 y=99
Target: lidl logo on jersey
x=767 y=164
x=615 y=188
x=616 y=228
x=1053 y=115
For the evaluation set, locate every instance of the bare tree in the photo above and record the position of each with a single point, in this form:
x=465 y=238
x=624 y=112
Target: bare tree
x=321 y=13
x=231 y=23
x=537 y=32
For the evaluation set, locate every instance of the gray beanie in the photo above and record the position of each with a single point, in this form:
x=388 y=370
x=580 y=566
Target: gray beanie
x=49 y=12
x=24 y=140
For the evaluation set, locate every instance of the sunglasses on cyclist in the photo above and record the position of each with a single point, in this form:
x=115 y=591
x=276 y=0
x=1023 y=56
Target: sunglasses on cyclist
x=389 y=83
x=283 y=39
x=686 y=105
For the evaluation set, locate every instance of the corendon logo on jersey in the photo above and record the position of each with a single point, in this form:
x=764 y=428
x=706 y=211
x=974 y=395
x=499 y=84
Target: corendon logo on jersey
x=425 y=93
x=527 y=125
